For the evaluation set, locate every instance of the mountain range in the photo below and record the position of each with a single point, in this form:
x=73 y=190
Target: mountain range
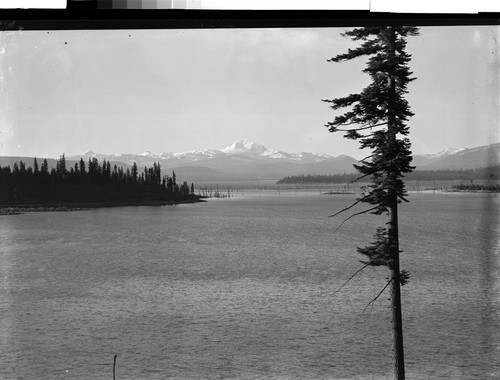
x=247 y=160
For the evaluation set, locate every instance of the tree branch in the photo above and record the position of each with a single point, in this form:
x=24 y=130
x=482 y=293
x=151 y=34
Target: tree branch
x=353 y=215
x=378 y=295
x=355 y=123
x=359 y=270
x=403 y=198
x=363 y=176
x=361 y=128
x=363 y=160
x=351 y=206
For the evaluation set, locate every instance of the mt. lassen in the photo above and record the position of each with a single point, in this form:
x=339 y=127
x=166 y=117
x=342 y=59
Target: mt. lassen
x=244 y=146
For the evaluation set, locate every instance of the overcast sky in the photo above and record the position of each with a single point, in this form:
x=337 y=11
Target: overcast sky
x=119 y=91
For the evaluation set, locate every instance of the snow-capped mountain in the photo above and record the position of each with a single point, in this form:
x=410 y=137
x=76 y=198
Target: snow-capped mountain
x=443 y=153
x=245 y=147
x=245 y=159
x=249 y=148
x=197 y=155
x=89 y=153
x=448 y=151
x=242 y=149
x=241 y=159
x=452 y=158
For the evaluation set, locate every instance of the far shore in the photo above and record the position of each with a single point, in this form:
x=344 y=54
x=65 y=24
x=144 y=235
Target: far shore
x=20 y=209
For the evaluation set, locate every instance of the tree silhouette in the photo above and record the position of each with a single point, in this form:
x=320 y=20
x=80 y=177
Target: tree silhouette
x=44 y=170
x=170 y=185
x=377 y=117
x=61 y=166
x=36 y=169
x=134 y=173
x=82 y=165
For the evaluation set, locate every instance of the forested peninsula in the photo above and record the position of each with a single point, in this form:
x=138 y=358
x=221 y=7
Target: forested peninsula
x=88 y=185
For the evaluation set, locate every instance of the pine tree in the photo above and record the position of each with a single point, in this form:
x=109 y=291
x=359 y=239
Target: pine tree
x=108 y=171
x=45 y=167
x=36 y=169
x=184 y=189
x=61 y=166
x=94 y=168
x=170 y=185
x=22 y=167
x=134 y=173
x=114 y=175
x=377 y=117
x=82 y=166
x=174 y=183
x=157 y=172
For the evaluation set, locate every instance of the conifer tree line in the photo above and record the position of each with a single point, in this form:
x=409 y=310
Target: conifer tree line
x=88 y=181
x=492 y=172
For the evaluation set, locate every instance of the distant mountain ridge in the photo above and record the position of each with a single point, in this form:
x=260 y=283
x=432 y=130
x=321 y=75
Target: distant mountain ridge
x=454 y=159
x=249 y=160
x=243 y=148
x=246 y=159
x=242 y=159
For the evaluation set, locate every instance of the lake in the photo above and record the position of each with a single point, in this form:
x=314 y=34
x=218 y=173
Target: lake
x=244 y=288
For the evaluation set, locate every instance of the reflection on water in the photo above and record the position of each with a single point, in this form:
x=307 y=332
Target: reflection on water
x=244 y=288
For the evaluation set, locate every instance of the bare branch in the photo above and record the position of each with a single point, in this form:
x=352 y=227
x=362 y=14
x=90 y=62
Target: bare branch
x=363 y=160
x=359 y=270
x=347 y=208
x=353 y=215
x=403 y=198
x=363 y=127
x=378 y=295
x=354 y=123
x=363 y=176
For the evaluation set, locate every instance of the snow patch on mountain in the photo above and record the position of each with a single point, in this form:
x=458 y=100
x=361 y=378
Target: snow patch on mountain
x=197 y=155
x=273 y=153
x=244 y=146
x=447 y=152
x=253 y=149
x=166 y=155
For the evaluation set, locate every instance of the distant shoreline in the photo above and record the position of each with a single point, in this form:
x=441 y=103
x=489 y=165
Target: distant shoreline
x=44 y=207
x=471 y=191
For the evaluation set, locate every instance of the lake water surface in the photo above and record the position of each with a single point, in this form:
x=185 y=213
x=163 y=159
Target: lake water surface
x=244 y=288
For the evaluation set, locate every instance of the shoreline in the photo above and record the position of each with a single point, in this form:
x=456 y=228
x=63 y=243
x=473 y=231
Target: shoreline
x=59 y=207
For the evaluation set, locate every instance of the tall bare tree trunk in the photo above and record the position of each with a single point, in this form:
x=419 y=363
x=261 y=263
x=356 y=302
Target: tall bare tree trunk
x=397 y=319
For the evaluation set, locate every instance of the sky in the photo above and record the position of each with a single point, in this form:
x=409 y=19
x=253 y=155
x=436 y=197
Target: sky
x=130 y=91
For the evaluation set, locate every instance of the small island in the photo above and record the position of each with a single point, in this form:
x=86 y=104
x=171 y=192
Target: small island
x=87 y=185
